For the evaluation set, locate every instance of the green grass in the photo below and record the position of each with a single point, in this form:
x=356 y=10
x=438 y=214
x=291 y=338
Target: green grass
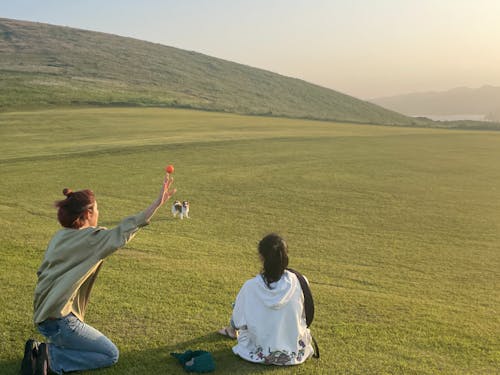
x=398 y=230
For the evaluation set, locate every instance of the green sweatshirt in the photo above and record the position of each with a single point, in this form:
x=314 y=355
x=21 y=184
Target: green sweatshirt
x=71 y=264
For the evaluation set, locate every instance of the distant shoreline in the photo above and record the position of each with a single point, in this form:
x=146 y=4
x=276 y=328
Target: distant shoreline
x=472 y=117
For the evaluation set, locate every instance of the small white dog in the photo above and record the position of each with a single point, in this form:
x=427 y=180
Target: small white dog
x=181 y=209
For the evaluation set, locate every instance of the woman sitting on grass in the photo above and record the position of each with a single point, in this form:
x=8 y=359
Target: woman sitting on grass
x=69 y=269
x=268 y=317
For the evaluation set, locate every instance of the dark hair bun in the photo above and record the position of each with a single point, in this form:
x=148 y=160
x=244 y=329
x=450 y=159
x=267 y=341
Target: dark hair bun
x=67 y=192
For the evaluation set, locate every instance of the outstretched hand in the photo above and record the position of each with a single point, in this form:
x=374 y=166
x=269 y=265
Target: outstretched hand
x=166 y=193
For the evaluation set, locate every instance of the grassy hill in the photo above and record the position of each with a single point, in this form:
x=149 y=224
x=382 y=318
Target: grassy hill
x=44 y=65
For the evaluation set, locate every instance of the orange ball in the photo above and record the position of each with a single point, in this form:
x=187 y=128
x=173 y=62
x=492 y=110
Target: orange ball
x=169 y=168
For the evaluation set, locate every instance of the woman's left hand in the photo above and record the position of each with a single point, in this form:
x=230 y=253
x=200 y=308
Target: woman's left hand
x=166 y=193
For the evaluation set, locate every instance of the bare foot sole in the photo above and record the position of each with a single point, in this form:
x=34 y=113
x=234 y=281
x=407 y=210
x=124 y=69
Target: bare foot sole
x=228 y=332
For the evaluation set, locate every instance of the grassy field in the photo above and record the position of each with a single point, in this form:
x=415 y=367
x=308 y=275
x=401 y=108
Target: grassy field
x=398 y=230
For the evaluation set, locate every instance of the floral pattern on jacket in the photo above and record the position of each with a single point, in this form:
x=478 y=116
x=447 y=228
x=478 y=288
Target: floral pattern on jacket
x=278 y=357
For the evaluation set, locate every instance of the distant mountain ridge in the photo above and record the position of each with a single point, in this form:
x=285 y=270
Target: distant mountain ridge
x=45 y=65
x=482 y=101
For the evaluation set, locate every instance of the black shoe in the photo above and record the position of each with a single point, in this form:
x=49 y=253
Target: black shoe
x=29 y=359
x=42 y=360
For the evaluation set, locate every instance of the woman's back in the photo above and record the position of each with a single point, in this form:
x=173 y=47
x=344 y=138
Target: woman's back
x=271 y=321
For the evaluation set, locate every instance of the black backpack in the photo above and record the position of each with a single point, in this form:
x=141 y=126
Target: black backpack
x=308 y=305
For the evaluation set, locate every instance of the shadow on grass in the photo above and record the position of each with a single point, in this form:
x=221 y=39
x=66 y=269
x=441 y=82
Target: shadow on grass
x=159 y=360
x=10 y=367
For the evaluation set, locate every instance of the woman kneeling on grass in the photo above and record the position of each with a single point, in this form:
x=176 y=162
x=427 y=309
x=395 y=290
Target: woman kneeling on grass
x=69 y=269
x=268 y=316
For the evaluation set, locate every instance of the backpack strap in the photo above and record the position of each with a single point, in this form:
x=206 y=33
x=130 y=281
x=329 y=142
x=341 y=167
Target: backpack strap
x=316 y=347
x=308 y=305
x=308 y=298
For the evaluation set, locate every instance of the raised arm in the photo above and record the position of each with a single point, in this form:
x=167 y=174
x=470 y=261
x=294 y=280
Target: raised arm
x=165 y=194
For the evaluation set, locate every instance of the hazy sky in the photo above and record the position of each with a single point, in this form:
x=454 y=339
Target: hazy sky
x=365 y=48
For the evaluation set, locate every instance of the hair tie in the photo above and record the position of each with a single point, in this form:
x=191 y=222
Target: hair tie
x=67 y=192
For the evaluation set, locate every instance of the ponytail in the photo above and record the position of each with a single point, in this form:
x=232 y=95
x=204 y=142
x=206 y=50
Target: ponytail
x=274 y=252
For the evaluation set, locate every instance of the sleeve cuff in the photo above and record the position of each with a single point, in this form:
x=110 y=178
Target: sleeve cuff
x=141 y=219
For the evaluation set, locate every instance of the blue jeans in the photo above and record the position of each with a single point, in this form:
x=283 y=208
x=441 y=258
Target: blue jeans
x=76 y=346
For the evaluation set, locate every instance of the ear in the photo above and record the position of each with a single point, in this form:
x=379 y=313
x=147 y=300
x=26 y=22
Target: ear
x=86 y=214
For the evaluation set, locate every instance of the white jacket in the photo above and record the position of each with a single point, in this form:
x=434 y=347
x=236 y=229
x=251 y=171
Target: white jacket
x=272 y=322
